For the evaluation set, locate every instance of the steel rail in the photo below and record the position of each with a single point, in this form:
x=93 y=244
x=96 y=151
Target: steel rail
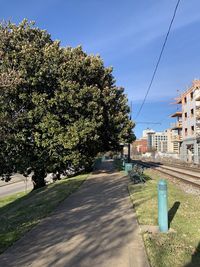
x=179 y=166
x=172 y=173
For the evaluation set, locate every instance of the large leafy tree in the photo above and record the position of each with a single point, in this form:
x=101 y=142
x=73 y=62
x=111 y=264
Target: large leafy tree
x=59 y=106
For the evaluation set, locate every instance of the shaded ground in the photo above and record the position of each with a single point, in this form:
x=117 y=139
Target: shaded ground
x=20 y=212
x=95 y=226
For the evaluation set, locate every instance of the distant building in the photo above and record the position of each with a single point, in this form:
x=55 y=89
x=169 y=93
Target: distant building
x=163 y=141
x=150 y=142
x=157 y=141
x=148 y=135
x=173 y=141
x=139 y=146
x=146 y=131
x=166 y=142
x=160 y=141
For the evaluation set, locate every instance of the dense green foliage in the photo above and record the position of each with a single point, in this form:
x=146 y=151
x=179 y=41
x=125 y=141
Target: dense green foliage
x=59 y=106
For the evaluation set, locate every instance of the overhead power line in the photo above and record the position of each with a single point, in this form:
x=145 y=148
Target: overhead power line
x=159 y=58
x=147 y=122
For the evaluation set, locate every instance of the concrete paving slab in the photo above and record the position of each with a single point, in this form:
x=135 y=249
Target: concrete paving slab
x=94 y=227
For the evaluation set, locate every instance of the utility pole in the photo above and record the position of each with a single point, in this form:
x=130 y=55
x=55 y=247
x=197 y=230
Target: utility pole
x=129 y=145
x=129 y=152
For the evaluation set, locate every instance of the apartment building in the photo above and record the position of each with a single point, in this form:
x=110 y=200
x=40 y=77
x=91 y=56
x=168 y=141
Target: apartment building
x=156 y=140
x=160 y=141
x=187 y=123
x=173 y=142
x=148 y=134
x=166 y=141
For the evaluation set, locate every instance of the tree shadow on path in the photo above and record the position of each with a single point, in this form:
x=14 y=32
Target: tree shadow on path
x=90 y=228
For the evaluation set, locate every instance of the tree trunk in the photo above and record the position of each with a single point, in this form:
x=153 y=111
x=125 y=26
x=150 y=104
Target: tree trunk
x=38 y=179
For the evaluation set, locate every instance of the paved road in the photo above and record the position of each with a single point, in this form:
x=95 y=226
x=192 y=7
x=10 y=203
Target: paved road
x=13 y=188
x=17 y=184
x=94 y=227
x=15 y=178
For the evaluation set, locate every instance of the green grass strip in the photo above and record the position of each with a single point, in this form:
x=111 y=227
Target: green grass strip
x=21 y=211
x=118 y=164
x=181 y=247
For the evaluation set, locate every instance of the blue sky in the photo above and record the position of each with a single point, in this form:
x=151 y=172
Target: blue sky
x=128 y=35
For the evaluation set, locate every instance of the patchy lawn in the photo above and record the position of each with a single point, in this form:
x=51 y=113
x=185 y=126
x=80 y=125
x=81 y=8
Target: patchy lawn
x=118 y=164
x=20 y=212
x=180 y=248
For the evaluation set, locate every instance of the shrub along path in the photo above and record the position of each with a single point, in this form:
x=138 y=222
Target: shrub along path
x=95 y=226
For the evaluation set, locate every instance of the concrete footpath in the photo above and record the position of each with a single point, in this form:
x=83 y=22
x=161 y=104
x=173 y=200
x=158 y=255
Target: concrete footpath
x=94 y=227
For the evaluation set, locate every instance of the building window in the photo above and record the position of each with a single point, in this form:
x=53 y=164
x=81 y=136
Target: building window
x=192 y=130
x=185 y=115
x=192 y=112
x=191 y=95
x=185 y=99
x=186 y=131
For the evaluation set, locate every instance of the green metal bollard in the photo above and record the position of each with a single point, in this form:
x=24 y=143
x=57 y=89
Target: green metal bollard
x=162 y=206
x=123 y=164
x=124 y=161
x=128 y=167
x=103 y=158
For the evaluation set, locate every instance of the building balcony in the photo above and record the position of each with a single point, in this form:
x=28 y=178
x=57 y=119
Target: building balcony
x=176 y=114
x=198 y=121
x=176 y=125
x=197 y=133
x=198 y=112
x=197 y=106
x=178 y=100
x=197 y=95
x=177 y=138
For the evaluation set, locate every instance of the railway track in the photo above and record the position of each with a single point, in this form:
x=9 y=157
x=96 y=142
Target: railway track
x=178 y=166
x=183 y=174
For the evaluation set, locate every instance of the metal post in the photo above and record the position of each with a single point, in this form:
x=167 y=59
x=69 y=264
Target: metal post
x=123 y=164
x=128 y=167
x=162 y=206
x=103 y=158
x=129 y=153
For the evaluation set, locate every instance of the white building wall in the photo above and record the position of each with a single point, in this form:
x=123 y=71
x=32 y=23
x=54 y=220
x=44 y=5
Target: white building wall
x=190 y=148
x=190 y=120
x=160 y=141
